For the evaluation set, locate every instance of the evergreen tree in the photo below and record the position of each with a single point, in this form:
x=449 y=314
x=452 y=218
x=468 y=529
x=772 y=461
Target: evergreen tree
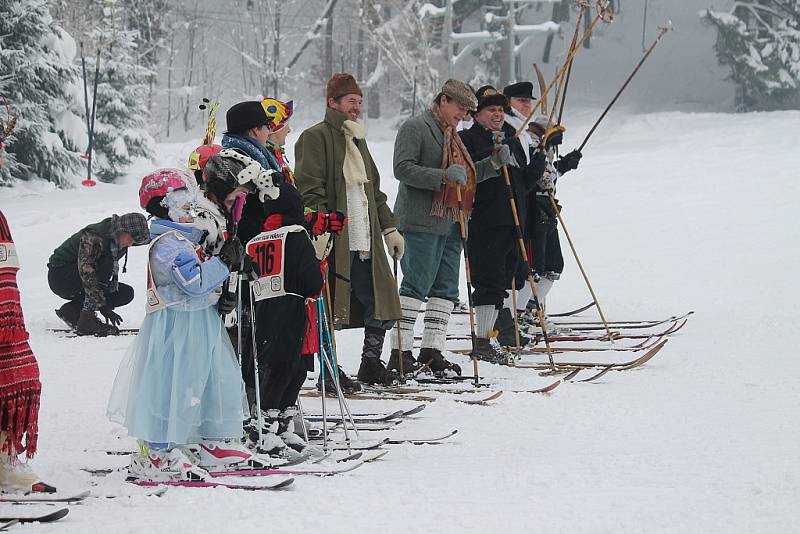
x=40 y=83
x=120 y=128
x=760 y=42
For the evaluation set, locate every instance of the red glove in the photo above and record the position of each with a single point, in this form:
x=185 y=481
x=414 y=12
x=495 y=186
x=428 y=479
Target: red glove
x=316 y=223
x=336 y=222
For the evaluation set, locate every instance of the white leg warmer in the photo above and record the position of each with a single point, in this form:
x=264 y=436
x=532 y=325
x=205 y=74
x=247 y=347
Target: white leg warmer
x=437 y=317
x=410 y=309
x=485 y=317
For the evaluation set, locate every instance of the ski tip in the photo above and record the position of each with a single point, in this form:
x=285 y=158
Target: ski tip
x=285 y=483
x=58 y=514
x=571 y=375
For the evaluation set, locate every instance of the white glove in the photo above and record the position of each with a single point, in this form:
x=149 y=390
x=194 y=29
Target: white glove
x=321 y=244
x=394 y=242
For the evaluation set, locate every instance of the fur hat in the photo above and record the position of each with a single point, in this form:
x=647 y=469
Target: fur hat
x=461 y=93
x=340 y=84
x=245 y=115
x=488 y=96
x=519 y=90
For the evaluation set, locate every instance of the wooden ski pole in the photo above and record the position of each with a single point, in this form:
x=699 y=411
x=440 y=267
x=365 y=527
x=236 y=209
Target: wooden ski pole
x=524 y=252
x=514 y=315
x=661 y=31
x=580 y=265
x=397 y=324
x=463 y=228
x=565 y=77
x=601 y=15
x=569 y=68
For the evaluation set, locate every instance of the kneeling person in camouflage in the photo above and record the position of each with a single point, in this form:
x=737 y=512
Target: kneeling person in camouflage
x=84 y=269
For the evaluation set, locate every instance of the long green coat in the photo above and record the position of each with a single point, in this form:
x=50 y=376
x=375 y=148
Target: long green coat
x=319 y=155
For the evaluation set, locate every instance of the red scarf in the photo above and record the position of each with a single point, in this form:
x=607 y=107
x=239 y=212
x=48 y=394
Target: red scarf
x=280 y=155
x=20 y=388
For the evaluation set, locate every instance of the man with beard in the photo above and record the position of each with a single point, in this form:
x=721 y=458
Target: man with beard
x=335 y=172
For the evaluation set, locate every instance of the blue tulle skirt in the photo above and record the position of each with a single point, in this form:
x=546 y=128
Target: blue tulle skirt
x=179 y=381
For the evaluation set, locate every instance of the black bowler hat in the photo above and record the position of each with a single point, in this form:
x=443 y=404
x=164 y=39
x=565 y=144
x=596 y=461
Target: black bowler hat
x=488 y=96
x=519 y=90
x=245 y=115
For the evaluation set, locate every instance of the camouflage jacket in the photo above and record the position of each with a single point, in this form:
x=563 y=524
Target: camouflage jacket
x=91 y=247
x=94 y=251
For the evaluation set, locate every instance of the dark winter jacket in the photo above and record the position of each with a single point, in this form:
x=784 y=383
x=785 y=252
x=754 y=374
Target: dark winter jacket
x=281 y=321
x=94 y=250
x=491 y=207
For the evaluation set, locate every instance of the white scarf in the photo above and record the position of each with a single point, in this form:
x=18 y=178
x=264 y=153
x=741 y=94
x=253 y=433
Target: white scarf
x=515 y=119
x=355 y=176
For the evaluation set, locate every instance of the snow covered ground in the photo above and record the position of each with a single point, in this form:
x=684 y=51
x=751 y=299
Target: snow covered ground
x=670 y=212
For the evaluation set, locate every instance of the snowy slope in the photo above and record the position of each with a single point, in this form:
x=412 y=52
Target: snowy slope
x=669 y=212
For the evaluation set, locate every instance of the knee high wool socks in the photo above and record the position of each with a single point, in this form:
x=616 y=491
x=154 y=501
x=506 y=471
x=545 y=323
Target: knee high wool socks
x=437 y=317
x=410 y=309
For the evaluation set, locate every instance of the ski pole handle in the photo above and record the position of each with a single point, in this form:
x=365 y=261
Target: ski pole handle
x=238 y=206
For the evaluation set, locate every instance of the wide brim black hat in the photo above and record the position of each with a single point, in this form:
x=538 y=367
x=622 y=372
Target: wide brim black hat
x=489 y=96
x=245 y=115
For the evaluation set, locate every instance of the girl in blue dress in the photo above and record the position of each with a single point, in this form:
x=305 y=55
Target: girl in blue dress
x=179 y=389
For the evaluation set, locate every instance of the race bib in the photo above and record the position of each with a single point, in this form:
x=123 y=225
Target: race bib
x=267 y=251
x=8 y=256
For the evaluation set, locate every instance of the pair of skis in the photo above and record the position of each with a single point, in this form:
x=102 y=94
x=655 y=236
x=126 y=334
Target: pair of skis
x=373 y=417
x=387 y=394
x=368 y=445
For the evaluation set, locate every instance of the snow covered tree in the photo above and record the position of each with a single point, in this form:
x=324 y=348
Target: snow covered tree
x=402 y=38
x=120 y=128
x=759 y=41
x=40 y=83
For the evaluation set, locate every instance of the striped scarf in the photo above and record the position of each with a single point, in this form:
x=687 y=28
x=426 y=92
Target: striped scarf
x=445 y=201
x=20 y=388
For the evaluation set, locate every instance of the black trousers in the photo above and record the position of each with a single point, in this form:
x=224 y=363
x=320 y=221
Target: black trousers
x=281 y=384
x=547 y=255
x=363 y=290
x=281 y=368
x=65 y=282
x=494 y=260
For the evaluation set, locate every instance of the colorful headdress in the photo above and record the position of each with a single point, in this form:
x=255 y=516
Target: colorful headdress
x=278 y=112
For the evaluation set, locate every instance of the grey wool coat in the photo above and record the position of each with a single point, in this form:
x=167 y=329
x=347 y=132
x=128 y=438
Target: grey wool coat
x=418 y=166
x=319 y=156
